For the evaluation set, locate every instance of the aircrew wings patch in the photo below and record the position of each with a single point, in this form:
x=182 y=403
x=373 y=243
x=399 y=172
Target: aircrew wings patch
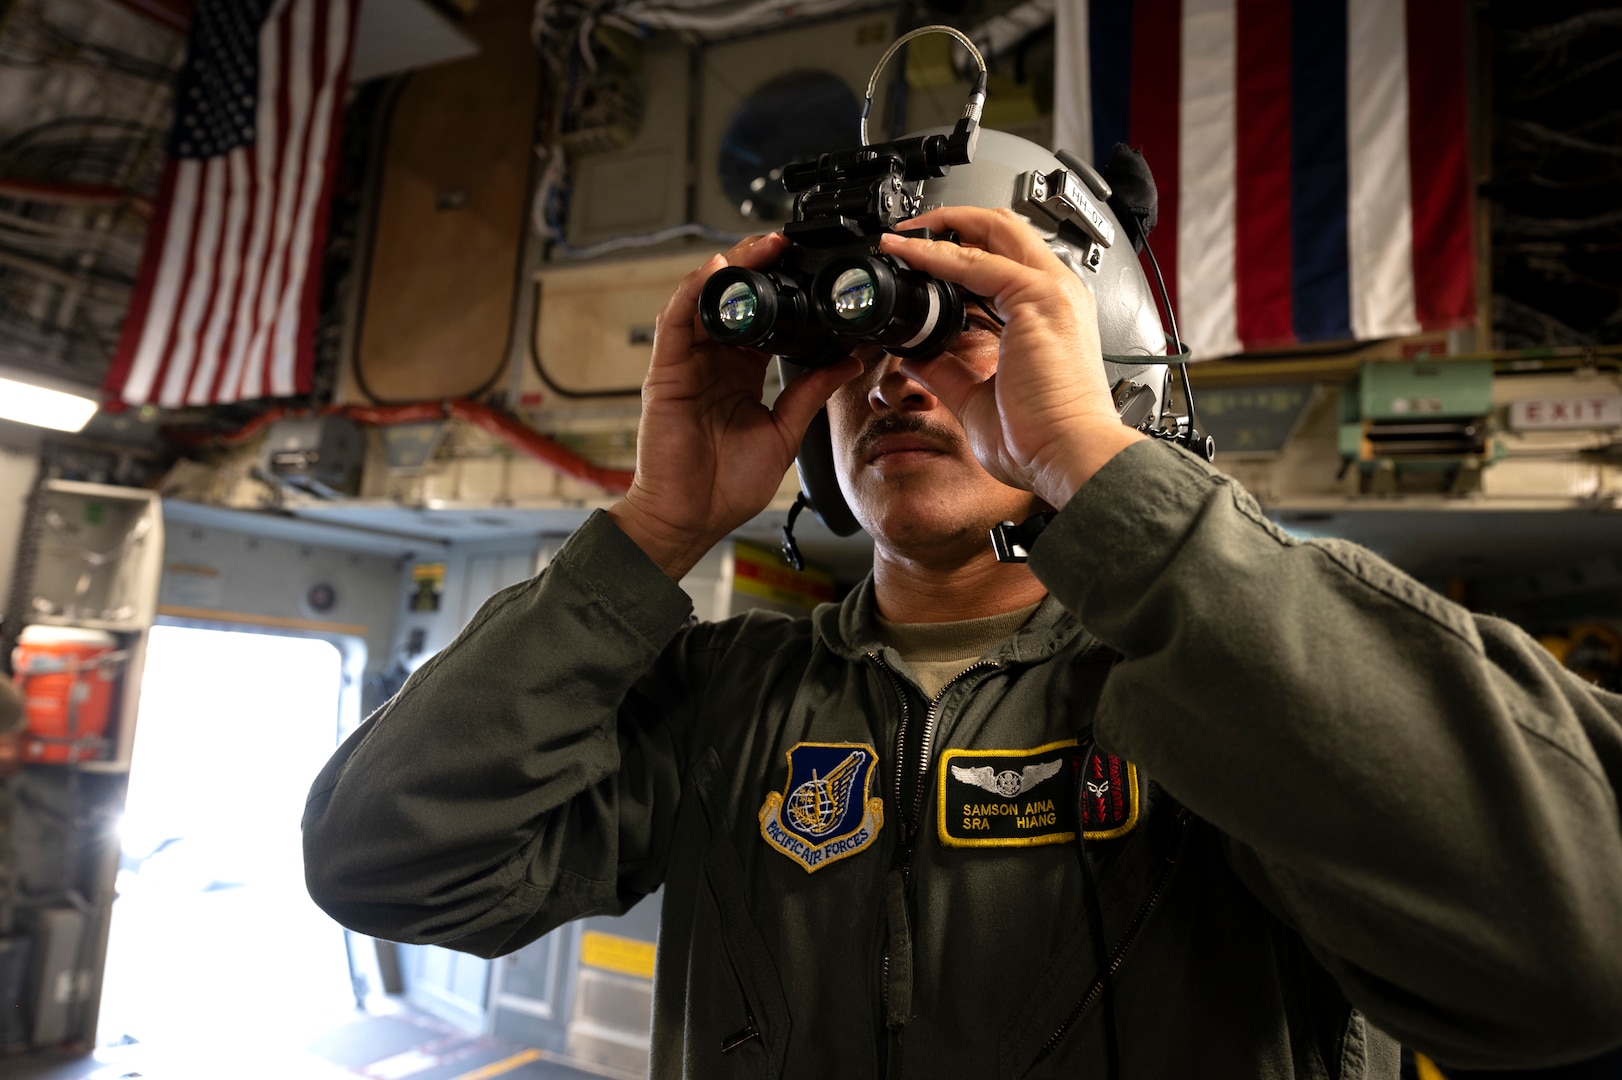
x=824 y=812
x=1020 y=798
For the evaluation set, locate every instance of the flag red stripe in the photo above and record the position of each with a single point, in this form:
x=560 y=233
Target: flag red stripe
x=303 y=257
x=266 y=119
x=310 y=309
x=200 y=284
x=218 y=284
x=253 y=383
x=1157 y=59
x=1439 y=165
x=173 y=13
x=187 y=282
x=129 y=338
x=233 y=325
x=297 y=94
x=1262 y=260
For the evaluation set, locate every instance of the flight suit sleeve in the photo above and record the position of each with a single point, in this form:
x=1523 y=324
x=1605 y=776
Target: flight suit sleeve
x=525 y=775
x=1425 y=795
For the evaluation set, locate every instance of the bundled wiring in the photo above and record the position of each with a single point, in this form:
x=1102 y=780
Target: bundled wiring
x=1004 y=32
x=33 y=39
x=1555 y=180
x=566 y=34
x=76 y=184
x=1535 y=133
x=1558 y=34
x=1530 y=90
x=710 y=18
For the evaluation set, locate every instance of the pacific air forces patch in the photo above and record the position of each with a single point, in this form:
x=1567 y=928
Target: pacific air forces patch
x=824 y=811
x=1019 y=798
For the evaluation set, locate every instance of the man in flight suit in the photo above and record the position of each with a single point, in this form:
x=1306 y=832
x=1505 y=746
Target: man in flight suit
x=1318 y=802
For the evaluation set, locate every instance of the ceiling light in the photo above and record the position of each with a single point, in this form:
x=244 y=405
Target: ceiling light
x=31 y=402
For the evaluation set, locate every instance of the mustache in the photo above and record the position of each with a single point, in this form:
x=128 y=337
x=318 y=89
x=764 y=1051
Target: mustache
x=906 y=424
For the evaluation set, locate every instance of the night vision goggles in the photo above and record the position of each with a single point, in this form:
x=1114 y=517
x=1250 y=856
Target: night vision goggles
x=833 y=289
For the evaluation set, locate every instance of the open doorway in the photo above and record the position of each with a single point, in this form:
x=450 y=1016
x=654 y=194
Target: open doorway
x=214 y=939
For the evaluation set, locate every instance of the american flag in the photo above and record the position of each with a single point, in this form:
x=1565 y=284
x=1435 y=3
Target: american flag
x=225 y=306
x=1312 y=158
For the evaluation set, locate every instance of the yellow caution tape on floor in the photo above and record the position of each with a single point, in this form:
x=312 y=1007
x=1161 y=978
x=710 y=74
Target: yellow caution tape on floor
x=628 y=956
x=505 y=1065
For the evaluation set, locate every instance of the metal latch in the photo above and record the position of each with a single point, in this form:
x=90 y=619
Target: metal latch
x=1061 y=196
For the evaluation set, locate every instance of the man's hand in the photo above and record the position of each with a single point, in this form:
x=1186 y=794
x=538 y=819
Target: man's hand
x=709 y=455
x=1043 y=420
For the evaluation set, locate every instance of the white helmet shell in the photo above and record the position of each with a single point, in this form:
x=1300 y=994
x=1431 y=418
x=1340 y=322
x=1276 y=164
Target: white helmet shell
x=1128 y=318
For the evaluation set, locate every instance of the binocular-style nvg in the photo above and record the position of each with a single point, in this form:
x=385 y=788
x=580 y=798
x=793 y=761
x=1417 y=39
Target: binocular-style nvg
x=834 y=289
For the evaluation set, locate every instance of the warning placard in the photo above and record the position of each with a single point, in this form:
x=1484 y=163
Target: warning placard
x=759 y=571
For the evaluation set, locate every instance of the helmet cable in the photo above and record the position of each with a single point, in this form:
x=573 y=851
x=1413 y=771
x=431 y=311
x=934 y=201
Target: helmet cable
x=977 y=97
x=1189 y=437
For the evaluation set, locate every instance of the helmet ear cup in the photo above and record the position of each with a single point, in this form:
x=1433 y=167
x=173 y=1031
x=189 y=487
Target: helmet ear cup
x=820 y=481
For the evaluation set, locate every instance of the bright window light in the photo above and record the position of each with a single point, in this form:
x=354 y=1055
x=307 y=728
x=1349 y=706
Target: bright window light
x=30 y=404
x=213 y=930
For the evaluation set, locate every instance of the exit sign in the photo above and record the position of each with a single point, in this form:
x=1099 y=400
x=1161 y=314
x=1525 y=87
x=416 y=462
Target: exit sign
x=1582 y=411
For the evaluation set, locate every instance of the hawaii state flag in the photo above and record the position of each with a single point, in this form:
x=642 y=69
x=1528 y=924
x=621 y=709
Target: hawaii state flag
x=226 y=304
x=1312 y=158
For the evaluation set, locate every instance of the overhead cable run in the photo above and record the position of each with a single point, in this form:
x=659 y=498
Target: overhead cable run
x=1555 y=178
x=570 y=36
x=78 y=169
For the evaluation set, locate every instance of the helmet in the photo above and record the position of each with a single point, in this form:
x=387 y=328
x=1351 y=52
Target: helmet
x=1128 y=320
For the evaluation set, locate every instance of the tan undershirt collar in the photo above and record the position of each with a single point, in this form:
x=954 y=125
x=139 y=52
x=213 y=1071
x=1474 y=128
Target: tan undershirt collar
x=940 y=651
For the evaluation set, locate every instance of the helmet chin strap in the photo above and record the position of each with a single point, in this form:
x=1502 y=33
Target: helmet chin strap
x=1013 y=543
x=791 y=547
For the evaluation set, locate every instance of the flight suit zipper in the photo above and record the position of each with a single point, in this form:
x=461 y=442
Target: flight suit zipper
x=926 y=745
x=1118 y=954
x=897 y=1011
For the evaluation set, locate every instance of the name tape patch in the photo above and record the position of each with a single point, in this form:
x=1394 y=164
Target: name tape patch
x=1019 y=798
x=825 y=811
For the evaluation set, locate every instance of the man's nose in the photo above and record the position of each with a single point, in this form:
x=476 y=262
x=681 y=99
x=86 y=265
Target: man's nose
x=896 y=391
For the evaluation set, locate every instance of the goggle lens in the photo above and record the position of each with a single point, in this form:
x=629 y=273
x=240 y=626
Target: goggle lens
x=738 y=306
x=853 y=294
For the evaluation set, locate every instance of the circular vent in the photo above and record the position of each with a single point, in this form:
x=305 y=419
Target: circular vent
x=793 y=117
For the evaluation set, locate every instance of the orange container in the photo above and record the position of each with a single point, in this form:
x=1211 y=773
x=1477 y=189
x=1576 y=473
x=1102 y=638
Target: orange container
x=66 y=677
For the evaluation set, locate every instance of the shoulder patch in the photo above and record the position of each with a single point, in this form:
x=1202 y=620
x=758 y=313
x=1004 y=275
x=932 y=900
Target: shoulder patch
x=824 y=812
x=1111 y=806
x=1021 y=798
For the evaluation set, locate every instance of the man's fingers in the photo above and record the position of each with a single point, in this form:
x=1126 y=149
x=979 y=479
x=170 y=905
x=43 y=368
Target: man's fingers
x=977 y=270
x=757 y=251
x=680 y=314
x=678 y=317
x=801 y=399
x=1001 y=232
x=948 y=378
x=752 y=251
